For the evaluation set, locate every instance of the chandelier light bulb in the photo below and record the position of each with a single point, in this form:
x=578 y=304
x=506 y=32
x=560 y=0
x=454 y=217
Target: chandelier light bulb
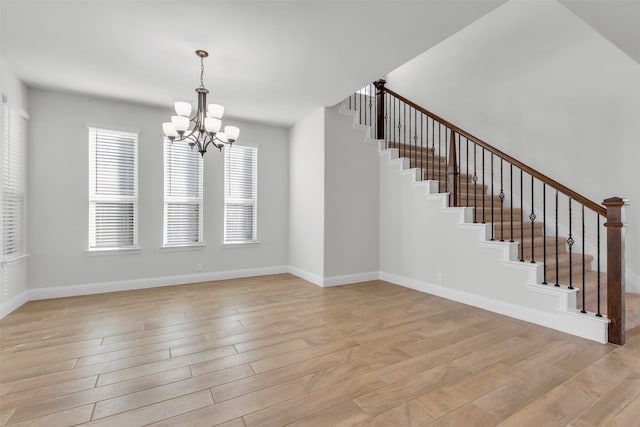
x=182 y=108
x=231 y=132
x=212 y=125
x=216 y=111
x=180 y=123
x=169 y=131
x=222 y=137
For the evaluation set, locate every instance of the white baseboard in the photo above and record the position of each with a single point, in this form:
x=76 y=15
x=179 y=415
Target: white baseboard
x=127 y=285
x=13 y=303
x=348 y=279
x=585 y=326
x=309 y=277
x=325 y=282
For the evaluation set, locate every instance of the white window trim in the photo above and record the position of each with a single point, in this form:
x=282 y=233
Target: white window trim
x=121 y=250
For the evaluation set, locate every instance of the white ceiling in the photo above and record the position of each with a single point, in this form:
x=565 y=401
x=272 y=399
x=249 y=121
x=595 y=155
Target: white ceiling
x=270 y=61
x=616 y=20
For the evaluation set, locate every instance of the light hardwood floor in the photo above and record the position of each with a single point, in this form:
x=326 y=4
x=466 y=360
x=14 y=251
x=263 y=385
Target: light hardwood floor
x=275 y=351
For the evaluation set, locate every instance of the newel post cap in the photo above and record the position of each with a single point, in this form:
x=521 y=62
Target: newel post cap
x=614 y=201
x=379 y=83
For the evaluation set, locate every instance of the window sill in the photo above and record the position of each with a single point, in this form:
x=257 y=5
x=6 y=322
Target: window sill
x=113 y=251
x=233 y=245
x=181 y=248
x=14 y=259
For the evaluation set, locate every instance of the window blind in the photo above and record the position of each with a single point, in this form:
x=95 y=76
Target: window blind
x=113 y=189
x=240 y=194
x=13 y=182
x=182 y=195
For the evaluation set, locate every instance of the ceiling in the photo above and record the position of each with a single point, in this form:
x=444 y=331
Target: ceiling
x=616 y=20
x=270 y=61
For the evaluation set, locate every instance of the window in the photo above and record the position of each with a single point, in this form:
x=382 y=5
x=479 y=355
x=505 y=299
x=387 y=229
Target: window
x=113 y=189
x=13 y=182
x=240 y=188
x=182 y=195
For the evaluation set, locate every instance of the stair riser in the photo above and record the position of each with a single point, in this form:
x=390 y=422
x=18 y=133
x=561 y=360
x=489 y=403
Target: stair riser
x=539 y=249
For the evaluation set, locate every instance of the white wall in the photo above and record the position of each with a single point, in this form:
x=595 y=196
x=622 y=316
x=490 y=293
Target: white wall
x=538 y=83
x=306 y=192
x=58 y=201
x=13 y=276
x=351 y=199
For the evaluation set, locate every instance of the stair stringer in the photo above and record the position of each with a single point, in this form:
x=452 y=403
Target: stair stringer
x=411 y=210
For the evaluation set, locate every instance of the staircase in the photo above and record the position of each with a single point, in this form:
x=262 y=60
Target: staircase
x=554 y=227
x=508 y=225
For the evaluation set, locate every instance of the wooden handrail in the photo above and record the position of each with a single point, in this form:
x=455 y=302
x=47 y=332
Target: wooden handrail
x=599 y=209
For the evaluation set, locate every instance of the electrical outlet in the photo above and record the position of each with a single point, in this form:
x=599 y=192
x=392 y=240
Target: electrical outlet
x=198 y=267
x=440 y=278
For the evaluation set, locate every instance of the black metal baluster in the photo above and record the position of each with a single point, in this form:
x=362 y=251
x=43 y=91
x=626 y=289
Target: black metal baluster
x=418 y=147
x=544 y=232
x=532 y=217
x=457 y=170
x=511 y=190
x=397 y=141
x=404 y=130
x=584 y=288
x=433 y=150
x=570 y=242
x=467 y=171
x=598 y=314
x=557 y=248
x=521 y=219
x=475 y=184
x=483 y=185
x=440 y=155
x=491 y=201
x=422 y=149
x=391 y=121
x=360 y=102
x=370 y=105
x=427 y=147
x=501 y=196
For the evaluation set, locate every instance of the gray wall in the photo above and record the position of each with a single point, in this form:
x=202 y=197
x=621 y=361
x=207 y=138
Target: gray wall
x=306 y=189
x=58 y=200
x=535 y=81
x=351 y=198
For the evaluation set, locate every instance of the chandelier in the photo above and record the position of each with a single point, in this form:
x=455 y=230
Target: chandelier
x=207 y=121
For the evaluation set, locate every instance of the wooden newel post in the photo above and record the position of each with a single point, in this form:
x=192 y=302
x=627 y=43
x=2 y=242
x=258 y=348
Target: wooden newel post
x=615 y=269
x=379 y=84
x=452 y=170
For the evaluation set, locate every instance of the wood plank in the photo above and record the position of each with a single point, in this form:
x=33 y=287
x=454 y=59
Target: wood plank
x=511 y=397
x=409 y=414
x=614 y=402
x=67 y=417
x=273 y=377
x=172 y=390
x=237 y=407
x=158 y=411
x=51 y=405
